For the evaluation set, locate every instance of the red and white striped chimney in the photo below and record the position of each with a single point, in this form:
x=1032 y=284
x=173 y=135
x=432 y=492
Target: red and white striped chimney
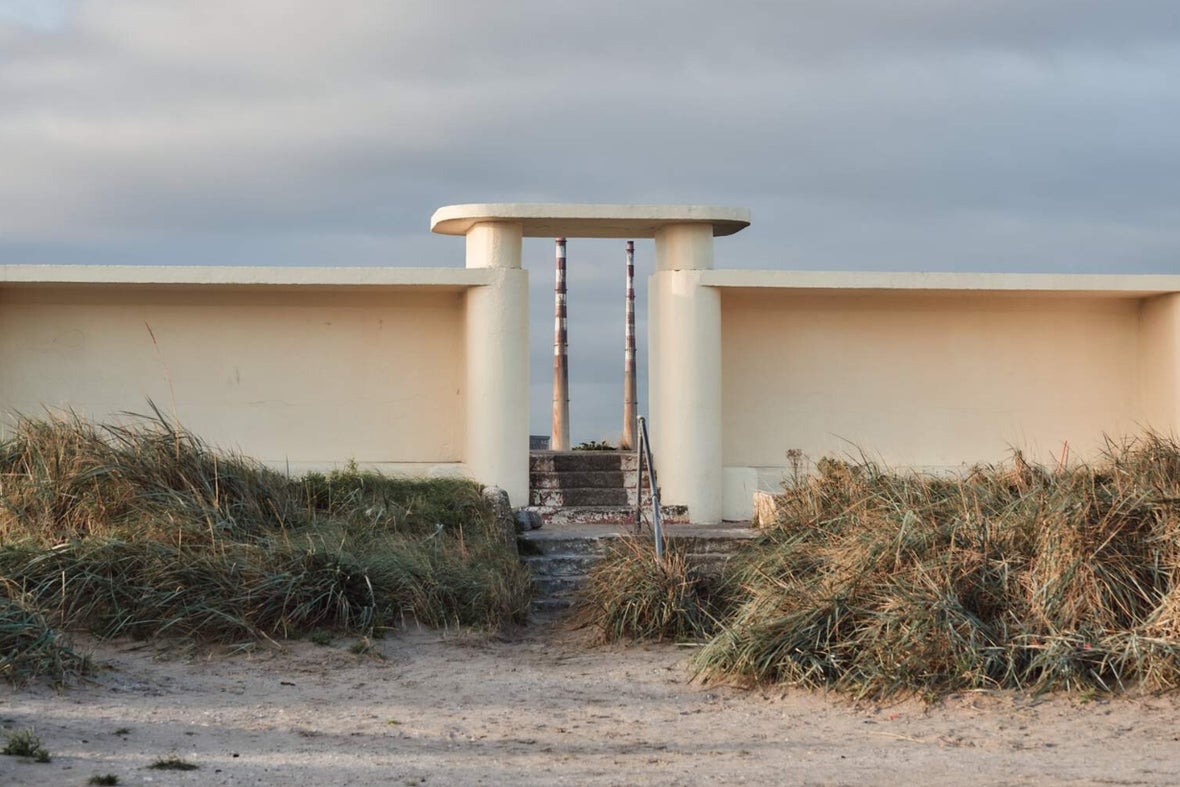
x=560 y=438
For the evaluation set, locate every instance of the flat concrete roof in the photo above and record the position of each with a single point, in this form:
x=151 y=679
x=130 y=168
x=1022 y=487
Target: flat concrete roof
x=852 y=282
x=817 y=282
x=562 y=220
x=237 y=276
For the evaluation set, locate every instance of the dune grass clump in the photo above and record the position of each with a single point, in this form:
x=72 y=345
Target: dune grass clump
x=630 y=595
x=25 y=743
x=30 y=648
x=173 y=763
x=144 y=530
x=1015 y=576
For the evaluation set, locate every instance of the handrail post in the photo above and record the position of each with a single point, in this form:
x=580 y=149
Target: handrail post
x=656 y=525
x=639 y=481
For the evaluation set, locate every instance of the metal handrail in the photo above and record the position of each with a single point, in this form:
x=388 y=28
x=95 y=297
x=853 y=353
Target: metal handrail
x=643 y=451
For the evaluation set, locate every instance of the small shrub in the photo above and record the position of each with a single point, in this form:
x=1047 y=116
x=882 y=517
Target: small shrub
x=103 y=779
x=173 y=763
x=631 y=595
x=594 y=445
x=24 y=743
x=31 y=649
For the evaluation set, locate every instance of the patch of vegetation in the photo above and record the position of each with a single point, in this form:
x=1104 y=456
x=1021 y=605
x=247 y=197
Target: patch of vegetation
x=103 y=779
x=31 y=649
x=876 y=583
x=362 y=647
x=173 y=763
x=25 y=743
x=143 y=530
x=594 y=445
x=631 y=595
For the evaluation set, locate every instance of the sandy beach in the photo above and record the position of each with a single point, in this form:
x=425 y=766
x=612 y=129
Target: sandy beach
x=541 y=706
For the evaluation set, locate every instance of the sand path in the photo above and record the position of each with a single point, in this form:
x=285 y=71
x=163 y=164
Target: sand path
x=541 y=708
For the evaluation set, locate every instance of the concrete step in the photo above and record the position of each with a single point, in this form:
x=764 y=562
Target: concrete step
x=582 y=479
x=588 y=487
x=551 y=608
x=559 y=516
x=560 y=559
x=554 y=543
x=557 y=497
x=575 y=461
x=568 y=497
x=557 y=587
x=560 y=564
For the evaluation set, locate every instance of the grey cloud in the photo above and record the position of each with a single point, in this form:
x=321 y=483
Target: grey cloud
x=863 y=135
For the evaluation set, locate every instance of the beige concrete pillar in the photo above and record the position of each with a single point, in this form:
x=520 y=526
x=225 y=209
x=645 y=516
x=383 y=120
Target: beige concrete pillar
x=683 y=247
x=497 y=341
x=494 y=244
x=684 y=372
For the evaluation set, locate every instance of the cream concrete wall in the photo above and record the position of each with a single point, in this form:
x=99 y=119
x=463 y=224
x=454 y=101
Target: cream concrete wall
x=301 y=376
x=922 y=370
x=1159 y=360
x=936 y=379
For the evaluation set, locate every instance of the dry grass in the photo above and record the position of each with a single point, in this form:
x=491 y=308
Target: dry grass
x=31 y=649
x=144 y=530
x=874 y=583
x=1015 y=576
x=631 y=595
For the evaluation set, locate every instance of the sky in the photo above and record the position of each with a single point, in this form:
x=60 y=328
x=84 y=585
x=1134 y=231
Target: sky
x=922 y=135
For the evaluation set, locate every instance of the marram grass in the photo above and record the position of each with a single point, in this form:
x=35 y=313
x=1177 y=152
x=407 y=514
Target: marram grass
x=30 y=648
x=144 y=530
x=631 y=595
x=875 y=583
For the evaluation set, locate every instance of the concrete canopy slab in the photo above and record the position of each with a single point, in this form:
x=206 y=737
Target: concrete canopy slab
x=182 y=276
x=1024 y=285
x=553 y=220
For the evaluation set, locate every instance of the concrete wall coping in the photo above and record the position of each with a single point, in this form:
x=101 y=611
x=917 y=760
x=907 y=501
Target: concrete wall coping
x=569 y=220
x=218 y=275
x=1015 y=284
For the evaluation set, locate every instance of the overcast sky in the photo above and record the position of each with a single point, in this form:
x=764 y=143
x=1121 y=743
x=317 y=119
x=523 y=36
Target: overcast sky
x=1013 y=135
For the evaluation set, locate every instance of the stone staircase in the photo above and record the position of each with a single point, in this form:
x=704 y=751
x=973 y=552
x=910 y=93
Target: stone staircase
x=583 y=500
x=559 y=559
x=589 y=487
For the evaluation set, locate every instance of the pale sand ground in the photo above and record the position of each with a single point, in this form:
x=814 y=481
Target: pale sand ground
x=541 y=708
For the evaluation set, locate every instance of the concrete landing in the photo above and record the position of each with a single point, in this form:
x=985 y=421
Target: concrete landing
x=673 y=531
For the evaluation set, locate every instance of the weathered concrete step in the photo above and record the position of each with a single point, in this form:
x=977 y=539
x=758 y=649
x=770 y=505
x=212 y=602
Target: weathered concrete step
x=561 y=564
x=538 y=542
x=561 y=461
x=550 y=608
x=551 y=579
x=581 y=479
x=603 y=515
x=551 y=587
x=700 y=547
x=560 y=560
x=588 y=515
x=576 y=497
